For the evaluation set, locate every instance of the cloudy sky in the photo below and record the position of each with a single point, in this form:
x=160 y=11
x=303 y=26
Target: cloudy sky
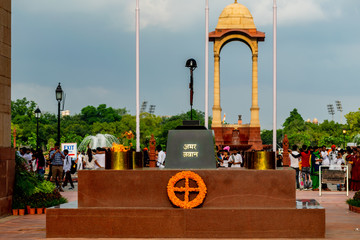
x=89 y=46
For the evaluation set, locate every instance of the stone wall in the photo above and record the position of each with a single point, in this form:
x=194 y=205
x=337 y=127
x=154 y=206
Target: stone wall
x=7 y=154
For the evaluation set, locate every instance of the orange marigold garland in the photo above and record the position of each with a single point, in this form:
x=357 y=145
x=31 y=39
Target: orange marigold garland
x=201 y=189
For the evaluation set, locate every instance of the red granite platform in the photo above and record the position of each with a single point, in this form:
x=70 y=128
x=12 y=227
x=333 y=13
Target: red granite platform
x=134 y=204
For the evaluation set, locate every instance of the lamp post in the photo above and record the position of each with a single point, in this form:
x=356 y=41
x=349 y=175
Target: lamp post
x=37 y=116
x=191 y=64
x=59 y=96
x=344 y=133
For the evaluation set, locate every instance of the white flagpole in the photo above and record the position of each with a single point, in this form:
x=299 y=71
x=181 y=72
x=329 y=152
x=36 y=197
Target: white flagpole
x=274 y=74
x=206 y=63
x=137 y=11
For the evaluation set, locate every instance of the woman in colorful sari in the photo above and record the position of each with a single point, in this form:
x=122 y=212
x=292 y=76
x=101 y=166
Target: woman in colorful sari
x=355 y=172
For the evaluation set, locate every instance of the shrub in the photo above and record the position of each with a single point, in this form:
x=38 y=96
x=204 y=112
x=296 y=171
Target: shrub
x=29 y=190
x=355 y=201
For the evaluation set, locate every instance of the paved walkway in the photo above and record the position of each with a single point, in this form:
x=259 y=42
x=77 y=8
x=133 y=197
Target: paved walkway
x=340 y=222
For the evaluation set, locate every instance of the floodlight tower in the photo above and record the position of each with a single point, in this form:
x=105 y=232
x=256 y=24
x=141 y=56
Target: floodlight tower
x=340 y=109
x=331 y=110
x=152 y=109
x=143 y=106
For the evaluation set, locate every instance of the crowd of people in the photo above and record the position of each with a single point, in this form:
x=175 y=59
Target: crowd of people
x=307 y=160
x=60 y=164
x=227 y=158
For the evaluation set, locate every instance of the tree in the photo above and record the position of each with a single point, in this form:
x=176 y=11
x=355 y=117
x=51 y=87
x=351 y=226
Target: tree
x=293 y=119
x=91 y=114
x=267 y=137
x=22 y=110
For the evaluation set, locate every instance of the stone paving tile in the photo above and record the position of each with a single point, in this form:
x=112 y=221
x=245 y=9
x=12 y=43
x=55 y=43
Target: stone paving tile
x=340 y=222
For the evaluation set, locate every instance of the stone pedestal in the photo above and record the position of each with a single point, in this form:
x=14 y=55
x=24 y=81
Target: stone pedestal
x=134 y=204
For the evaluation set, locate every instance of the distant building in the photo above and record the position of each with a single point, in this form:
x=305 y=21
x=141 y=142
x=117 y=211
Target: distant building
x=65 y=113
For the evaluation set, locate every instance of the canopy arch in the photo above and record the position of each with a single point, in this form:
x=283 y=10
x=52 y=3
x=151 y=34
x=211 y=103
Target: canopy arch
x=236 y=24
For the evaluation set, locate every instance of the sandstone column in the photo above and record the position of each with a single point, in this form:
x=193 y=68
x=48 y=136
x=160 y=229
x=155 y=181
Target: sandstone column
x=216 y=108
x=7 y=154
x=254 y=122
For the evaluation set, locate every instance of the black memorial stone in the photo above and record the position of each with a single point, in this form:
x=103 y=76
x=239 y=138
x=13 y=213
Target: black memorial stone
x=190 y=147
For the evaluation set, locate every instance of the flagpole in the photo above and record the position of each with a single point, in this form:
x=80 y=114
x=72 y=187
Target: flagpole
x=137 y=11
x=274 y=74
x=206 y=63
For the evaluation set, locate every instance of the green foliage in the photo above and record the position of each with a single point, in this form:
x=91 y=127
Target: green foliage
x=22 y=110
x=294 y=117
x=90 y=114
x=353 y=120
x=44 y=187
x=353 y=202
x=267 y=137
x=29 y=190
x=300 y=132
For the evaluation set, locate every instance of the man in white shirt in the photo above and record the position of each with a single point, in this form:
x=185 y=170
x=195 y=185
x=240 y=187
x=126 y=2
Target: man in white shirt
x=161 y=157
x=333 y=155
x=294 y=163
x=67 y=168
x=325 y=158
x=236 y=160
x=28 y=157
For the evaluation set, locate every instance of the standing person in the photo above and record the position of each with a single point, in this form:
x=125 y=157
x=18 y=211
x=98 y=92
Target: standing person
x=305 y=162
x=348 y=161
x=28 y=157
x=219 y=160
x=236 y=160
x=40 y=162
x=355 y=172
x=50 y=164
x=325 y=157
x=67 y=168
x=100 y=158
x=22 y=153
x=79 y=161
x=294 y=163
x=325 y=164
x=333 y=153
x=225 y=158
x=146 y=157
x=89 y=160
x=161 y=157
x=279 y=159
x=57 y=166
x=315 y=166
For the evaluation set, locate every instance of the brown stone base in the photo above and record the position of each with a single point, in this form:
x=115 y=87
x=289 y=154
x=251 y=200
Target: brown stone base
x=134 y=204
x=7 y=177
x=180 y=223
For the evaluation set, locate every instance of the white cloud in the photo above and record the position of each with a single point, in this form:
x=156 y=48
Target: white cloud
x=293 y=12
x=177 y=15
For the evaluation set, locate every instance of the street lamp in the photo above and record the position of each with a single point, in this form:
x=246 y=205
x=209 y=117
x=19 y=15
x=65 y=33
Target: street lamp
x=37 y=116
x=344 y=133
x=191 y=64
x=59 y=96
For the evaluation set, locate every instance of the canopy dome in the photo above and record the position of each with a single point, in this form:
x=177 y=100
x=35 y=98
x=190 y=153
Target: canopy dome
x=236 y=16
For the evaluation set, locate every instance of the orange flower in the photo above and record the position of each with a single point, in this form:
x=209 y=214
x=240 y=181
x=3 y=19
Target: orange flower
x=119 y=148
x=201 y=189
